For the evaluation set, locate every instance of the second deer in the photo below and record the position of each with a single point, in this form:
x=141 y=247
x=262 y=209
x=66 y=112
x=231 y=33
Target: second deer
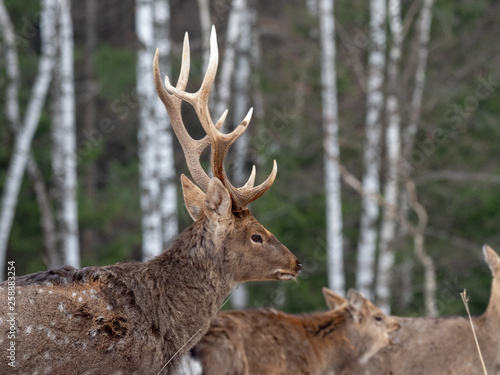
x=270 y=342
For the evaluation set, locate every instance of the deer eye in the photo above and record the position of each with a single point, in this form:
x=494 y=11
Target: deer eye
x=256 y=238
x=378 y=318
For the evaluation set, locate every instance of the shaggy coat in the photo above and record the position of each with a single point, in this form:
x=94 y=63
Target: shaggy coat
x=134 y=318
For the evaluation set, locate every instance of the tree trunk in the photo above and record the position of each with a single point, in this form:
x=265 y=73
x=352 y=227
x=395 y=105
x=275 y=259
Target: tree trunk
x=371 y=159
x=64 y=158
x=227 y=67
x=88 y=235
x=386 y=254
x=152 y=239
x=335 y=258
x=13 y=116
x=19 y=159
x=165 y=148
x=242 y=90
x=424 y=23
x=157 y=173
x=206 y=25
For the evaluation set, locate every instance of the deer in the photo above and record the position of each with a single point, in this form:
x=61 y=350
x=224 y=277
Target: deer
x=139 y=318
x=267 y=341
x=444 y=345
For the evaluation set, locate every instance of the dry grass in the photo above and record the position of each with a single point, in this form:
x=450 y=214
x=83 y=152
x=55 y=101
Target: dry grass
x=465 y=299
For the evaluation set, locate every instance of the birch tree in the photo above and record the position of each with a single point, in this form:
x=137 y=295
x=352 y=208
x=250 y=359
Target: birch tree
x=14 y=118
x=371 y=159
x=238 y=9
x=64 y=156
x=205 y=24
x=165 y=149
x=386 y=254
x=242 y=92
x=335 y=258
x=20 y=155
x=157 y=182
x=424 y=31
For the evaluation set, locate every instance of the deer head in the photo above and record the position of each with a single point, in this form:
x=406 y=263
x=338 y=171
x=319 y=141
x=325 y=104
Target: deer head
x=371 y=323
x=254 y=253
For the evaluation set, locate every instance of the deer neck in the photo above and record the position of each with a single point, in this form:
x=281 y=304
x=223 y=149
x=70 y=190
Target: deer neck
x=330 y=336
x=187 y=284
x=493 y=310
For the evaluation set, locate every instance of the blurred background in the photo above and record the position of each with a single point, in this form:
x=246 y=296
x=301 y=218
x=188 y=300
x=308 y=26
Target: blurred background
x=383 y=117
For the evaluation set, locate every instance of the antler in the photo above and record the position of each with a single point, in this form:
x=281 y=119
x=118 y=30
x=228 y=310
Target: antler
x=172 y=97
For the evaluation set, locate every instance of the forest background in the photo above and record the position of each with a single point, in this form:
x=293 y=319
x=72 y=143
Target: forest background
x=453 y=164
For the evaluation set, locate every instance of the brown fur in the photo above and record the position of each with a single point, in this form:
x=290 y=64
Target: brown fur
x=444 y=346
x=270 y=342
x=131 y=318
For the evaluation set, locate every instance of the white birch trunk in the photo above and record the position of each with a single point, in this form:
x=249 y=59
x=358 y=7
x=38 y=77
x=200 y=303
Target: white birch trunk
x=206 y=25
x=242 y=90
x=152 y=238
x=424 y=25
x=335 y=258
x=238 y=8
x=14 y=119
x=64 y=161
x=371 y=158
x=23 y=140
x=386 y=254
x=165 y=149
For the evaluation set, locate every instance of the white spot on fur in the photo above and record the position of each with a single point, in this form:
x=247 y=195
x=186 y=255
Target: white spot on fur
x=46 y=355
x=48 y=370
x=48 y=283
x=73 y=294
x=50 y=335
x=1 y=320
x=32 y=301
x=40 y=290
x=61 y=307
x=93 y=333
x=109 y=307
x=80 y=299
x=84 y=292
x=28 y=330
x=51 y=292
x=40 y=327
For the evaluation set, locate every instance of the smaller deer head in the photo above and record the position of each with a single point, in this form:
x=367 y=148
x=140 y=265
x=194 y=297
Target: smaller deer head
x=371 y=323
x=251 y=251
x=373 y=326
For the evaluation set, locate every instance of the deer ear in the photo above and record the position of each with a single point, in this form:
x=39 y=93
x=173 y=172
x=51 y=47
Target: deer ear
x=194 y=198
x=218 y=204
x=333 y=300
x=492 y=259
x=355 y=300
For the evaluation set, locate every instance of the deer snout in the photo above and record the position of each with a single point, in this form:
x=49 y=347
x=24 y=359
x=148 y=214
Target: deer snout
x=298 y=267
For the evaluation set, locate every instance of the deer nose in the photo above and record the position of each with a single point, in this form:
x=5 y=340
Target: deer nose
x=299 y=266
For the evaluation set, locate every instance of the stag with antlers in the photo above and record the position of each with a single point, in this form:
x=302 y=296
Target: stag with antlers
x=139 y=318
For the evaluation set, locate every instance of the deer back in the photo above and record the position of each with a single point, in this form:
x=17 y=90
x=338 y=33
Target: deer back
x=267 y=341
x=444 y=345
